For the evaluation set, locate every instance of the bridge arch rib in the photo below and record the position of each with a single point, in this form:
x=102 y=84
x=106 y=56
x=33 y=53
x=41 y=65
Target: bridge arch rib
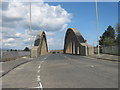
x=40 y=45
x=75 y=43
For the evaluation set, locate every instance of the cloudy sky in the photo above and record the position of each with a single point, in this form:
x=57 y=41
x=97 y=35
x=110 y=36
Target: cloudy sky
x=54 y=18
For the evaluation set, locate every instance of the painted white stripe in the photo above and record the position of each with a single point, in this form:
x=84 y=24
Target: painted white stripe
x=24 y=57
x=36 y=87
x=38 y=66
x=67 y=57
x=42 y=61
x=92 y=66
x=38 y=78
x=38 y=71
x=2 y=62
x=1 y=71
x=40 y=84
x=46 y=57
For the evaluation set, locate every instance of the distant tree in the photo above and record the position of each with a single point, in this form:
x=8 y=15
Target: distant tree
x=26 y=49
x=118 y=34
x=11 y=49
x=108 y=37
x=15 y=50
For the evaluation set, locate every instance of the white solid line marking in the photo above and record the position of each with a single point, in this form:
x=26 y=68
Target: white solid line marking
x=2 y=62
x=36 y=87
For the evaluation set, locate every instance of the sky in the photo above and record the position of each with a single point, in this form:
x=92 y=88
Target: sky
x=54 y=18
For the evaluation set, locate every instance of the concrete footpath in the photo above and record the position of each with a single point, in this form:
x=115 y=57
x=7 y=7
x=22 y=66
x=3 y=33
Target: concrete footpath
x=10 y=65
x=106 y=57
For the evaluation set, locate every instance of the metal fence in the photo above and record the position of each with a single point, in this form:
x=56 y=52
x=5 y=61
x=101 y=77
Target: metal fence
x=13 y=54
x=108 y=49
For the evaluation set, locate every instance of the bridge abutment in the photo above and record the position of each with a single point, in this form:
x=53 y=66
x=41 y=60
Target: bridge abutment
x=40 y=45
x=76 y=44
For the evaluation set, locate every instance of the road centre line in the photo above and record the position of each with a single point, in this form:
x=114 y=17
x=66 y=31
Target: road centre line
x=39 y=66
x=67 y=57
x=38 y=71
x=42 y=61
x=40 y=85
x=38 y=78
x=24 y=57
x=92 y=65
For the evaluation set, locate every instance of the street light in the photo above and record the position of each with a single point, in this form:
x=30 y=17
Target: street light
x=30 y=29
x=97 y=28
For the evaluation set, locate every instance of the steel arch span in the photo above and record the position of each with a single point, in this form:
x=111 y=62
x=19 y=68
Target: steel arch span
x=75 y=43
x=40 y=45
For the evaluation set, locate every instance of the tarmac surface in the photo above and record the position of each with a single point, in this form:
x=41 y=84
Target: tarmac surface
x=106 y=57
x=63 y=71
x=10 y=65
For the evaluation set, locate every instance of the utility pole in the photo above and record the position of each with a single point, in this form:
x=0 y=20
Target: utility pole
x=30 y=30
x=97 y=28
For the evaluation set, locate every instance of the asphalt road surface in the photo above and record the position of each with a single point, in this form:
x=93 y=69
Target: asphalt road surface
x=63 y=71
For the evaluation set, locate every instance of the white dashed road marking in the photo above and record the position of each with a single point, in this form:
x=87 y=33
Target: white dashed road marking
x=39 y=67
x=38 y=71
x=40 y=84
x=24 y=57
x=92 y=66
x=65 y=56
x=38 y=77
x=42 y=61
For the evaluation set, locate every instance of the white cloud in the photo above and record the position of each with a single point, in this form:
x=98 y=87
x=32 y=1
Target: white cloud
x=44 y=17
x=8 y=40
x=18 y=34
x=48 y=18
x=55 y=43
x=50 y=33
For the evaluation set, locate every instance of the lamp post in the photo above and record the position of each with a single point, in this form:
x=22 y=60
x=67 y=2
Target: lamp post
x=30 y=29
x=98 y=49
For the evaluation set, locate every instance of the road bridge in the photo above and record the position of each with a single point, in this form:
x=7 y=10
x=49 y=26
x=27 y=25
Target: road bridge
x=76 y=44
x=40 y=45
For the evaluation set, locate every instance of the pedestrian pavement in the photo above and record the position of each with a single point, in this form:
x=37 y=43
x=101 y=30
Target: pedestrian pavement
x=106 y=57
x=5 y=67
